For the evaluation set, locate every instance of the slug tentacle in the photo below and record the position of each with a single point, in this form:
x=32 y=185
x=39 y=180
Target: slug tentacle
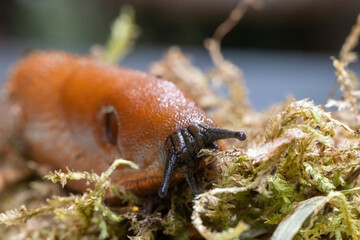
x=189 y=176
x=181 y=148
x=212 y=134
x=170 y=168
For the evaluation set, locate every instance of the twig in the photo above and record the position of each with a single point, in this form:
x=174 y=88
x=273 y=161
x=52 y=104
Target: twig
x=213 y=44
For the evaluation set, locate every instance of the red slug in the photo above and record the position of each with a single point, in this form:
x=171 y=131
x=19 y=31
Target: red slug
x=82 y=113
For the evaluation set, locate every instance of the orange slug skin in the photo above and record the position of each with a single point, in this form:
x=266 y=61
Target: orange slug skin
x=64 y=99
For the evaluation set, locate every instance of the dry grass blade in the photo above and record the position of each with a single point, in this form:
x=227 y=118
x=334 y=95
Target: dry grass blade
x=291 y=224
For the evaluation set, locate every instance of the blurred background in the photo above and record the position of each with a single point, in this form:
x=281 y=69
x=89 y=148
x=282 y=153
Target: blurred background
x=283 y=48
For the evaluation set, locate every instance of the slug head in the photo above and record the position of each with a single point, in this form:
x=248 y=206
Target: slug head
x=181 y=148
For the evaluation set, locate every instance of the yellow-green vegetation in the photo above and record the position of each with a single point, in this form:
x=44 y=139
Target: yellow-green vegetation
x=295 y=177
x=75 y=216
x=124 y=32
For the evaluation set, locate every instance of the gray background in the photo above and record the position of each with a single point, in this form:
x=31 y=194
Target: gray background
x=270 y=75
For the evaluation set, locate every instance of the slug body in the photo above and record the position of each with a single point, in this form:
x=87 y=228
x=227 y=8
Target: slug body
x=82 y=113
